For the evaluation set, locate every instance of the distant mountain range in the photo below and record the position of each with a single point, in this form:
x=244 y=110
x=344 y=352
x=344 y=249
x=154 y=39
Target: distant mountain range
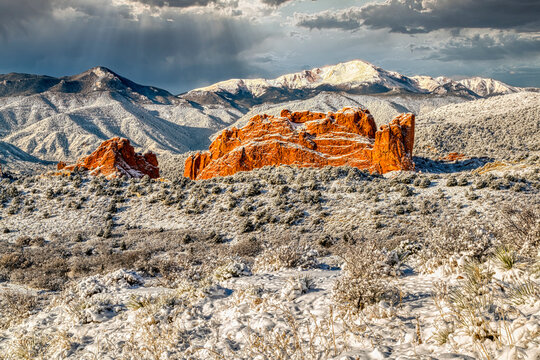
x=48 y=118
x=354 y=77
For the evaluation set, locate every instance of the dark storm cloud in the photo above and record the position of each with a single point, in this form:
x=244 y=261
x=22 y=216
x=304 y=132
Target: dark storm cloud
x=275 y=2
x=192 y=3
x=344 y=20
x=14 y=15
x=423 y=16
x=489 y=47
x=176 y=51
x=177 y=3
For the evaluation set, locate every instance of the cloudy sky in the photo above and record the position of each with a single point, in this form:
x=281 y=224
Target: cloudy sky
x=182 y=44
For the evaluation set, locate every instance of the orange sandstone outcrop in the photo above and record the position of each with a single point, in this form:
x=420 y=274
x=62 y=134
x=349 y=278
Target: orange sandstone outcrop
x=116 y=157
x=308 y=139
x=453 y=156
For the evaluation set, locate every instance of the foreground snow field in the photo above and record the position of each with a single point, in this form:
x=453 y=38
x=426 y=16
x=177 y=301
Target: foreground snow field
x=279 y=263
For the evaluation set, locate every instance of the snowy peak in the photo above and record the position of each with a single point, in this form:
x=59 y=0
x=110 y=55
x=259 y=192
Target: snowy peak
x=486 y=87
x=353 y=71
x=355 y=77
x=442 y=86
x=346 y=75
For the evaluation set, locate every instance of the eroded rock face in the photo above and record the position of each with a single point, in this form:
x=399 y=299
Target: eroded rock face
x=308 y=139
x=393 y=145
x=116 y=157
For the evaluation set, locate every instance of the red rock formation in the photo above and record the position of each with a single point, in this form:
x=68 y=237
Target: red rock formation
x=394 y=145
x=453 y=156
x=308 y=139
x=116 y=157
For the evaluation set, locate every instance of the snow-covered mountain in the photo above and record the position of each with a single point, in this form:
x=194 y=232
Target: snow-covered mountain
x=64 y=118
x=353 y=77
x=488 y=87
x=98 y=79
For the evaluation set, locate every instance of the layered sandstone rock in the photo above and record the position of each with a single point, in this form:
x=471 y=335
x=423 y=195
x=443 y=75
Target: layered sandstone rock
x=116 y=157
x=307 y=139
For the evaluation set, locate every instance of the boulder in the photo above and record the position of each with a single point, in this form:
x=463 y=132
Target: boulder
x=114 y=158
x=308 y=139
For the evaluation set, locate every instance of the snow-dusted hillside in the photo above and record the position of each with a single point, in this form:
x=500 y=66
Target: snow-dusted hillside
x=55 y=126
x=11 y=154
x=499 y=127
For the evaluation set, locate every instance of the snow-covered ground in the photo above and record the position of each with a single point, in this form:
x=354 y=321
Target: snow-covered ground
x=289 y=314
x=280 y=263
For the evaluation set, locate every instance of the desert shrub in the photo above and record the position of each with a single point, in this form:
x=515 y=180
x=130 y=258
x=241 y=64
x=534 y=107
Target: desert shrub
x=253 y=189
x=452 y=181
x=450 y=241
x=422 y=182
x=15 y=306
x=247 y=226
x=288 y=256
x=23 y=241
x=469 y=301
x=365 y=279
x=463 y=181
x=482 y=307
x=146 y=179
x=13 y=209
x=481 y=183
x=215 y=238
x=326 y=241
x=312 y=198
x=505 y=258
x=12 y=191
x=233 y=267
x=52 y=265
x=495 y=185
x=471 y=195
x=520 y=229
x=112 y=207
x=406 y=191
x=247 y=247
